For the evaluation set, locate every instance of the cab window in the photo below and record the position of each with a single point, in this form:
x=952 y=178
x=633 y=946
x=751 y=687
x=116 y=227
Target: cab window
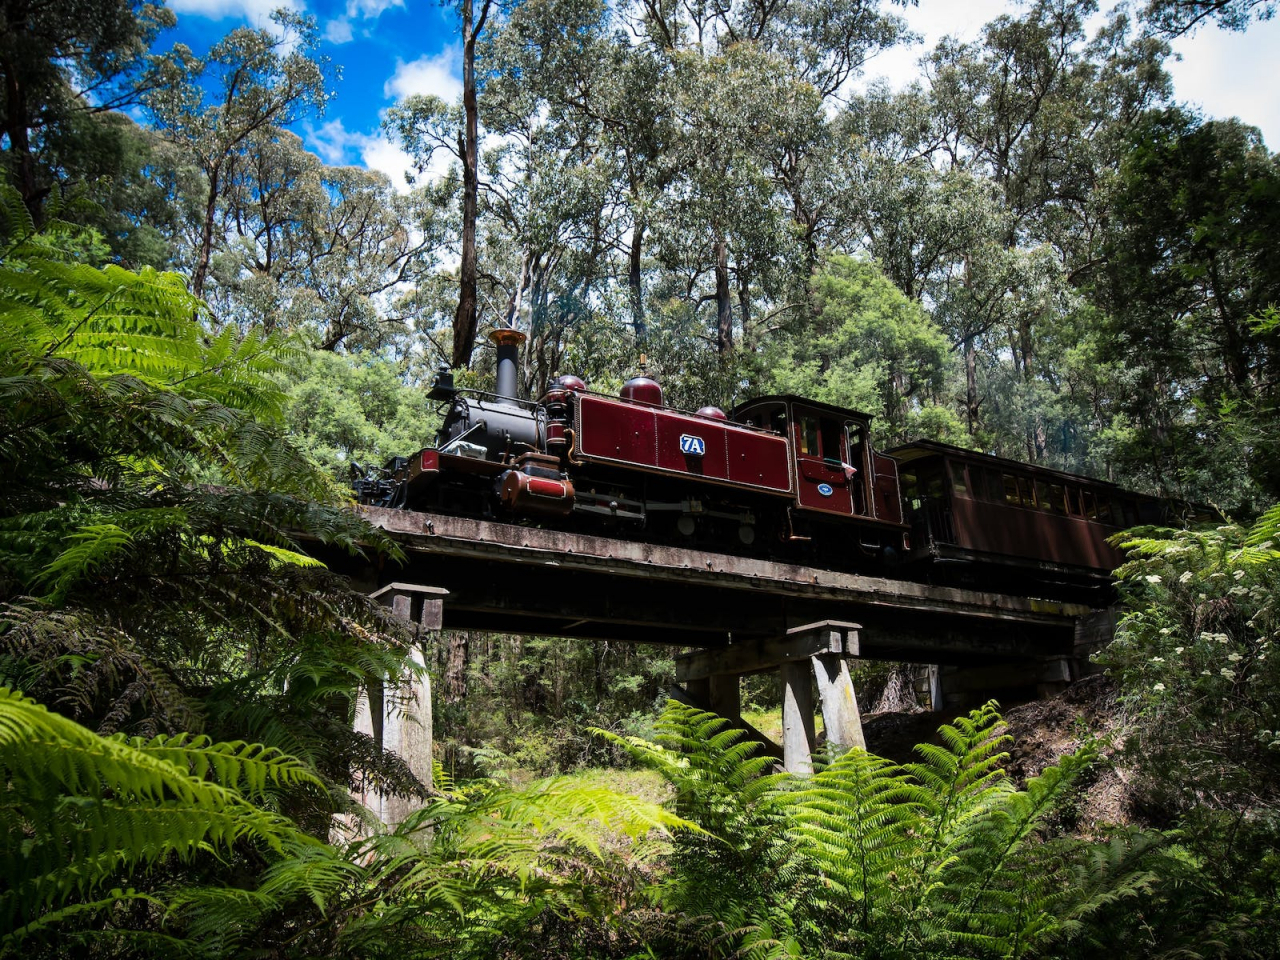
x=829 y=432
x=808 y=431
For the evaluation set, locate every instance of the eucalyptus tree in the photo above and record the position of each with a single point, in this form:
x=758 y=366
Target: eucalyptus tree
x=866 y=345
x=1189 y=268
x=580 y=102
x=425 y=124
x=725 y=114
x=979 y=189
x=680 y=112
x=315 y=248
x=551 y=227
x=739 y=154
x=60 y=62
x=1184 y=16
x=217 y=108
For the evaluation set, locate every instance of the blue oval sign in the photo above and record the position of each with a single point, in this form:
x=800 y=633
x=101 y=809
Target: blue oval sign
x=825 y=489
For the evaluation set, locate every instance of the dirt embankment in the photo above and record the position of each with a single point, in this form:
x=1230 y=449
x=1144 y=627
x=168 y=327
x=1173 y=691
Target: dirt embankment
x=1042 y=731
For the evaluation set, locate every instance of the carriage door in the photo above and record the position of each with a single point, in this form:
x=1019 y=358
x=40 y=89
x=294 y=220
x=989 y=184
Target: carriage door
x=822 y=463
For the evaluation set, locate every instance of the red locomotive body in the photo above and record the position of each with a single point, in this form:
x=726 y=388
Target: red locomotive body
x=678 y=444
x=779 y=471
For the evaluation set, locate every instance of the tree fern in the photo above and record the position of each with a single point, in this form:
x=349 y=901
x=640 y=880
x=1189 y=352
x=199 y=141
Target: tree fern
x=81 y=809
x=944 y=857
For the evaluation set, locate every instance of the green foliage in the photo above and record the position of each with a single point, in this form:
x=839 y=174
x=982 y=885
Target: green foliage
x=1196 y=658
x=1196 y=662
x=868 y=347
x=169 y=820
x=1187 y=269
x=527 y=702
x=82 y=811
x=165 y=598
x=345 y=409
x=940 y=858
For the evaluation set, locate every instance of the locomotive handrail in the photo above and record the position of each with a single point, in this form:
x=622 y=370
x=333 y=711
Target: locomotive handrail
x=532 y=405
x=479 y=424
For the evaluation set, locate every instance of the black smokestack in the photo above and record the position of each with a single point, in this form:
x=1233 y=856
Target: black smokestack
x=508 y=342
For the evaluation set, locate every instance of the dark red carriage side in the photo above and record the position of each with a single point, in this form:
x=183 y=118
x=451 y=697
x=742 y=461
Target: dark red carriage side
x=1008 y=524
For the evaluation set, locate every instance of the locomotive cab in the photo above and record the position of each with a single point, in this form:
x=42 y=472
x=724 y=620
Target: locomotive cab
x=836 y=470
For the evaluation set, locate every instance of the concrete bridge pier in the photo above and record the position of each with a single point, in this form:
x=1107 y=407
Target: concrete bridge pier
x=815 y=651
x=399 y=719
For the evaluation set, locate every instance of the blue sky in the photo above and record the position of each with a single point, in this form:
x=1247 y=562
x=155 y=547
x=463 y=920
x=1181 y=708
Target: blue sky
x=388 y=49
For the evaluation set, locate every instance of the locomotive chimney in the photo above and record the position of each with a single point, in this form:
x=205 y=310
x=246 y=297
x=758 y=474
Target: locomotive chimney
x=508 y=343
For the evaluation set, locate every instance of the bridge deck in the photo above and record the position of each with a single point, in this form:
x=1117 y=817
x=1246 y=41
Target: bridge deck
x=519 y=579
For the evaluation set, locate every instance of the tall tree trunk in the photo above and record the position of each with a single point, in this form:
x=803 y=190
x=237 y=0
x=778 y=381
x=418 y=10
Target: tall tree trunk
x=517 y=292
x=20 y=145
x=201 y=272
x=455 y=667
x=466 y=321
x=971 y=401
x=1235 y=349
x=724 y=302
x=634 y=282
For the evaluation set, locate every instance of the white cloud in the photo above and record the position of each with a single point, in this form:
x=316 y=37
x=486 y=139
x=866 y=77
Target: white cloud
x=1232 y=75
x=371 y=8
x=438 y=76
x=338 y=31
x=331 y=141
x=257 y=12
x=336 y=145
x=379 y=153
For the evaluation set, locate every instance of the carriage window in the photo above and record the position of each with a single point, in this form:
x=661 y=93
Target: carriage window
x=857 y=445
x=1059 y=494
x=1011 y=494
x=1103 y=512
x=1125 y=513
x=1051 y=497
x=1150 y=511
x=1074 y=506
x=909 y=491
x=994 y=486
x=958 y=483
x=1042 y=495
x=809 y=437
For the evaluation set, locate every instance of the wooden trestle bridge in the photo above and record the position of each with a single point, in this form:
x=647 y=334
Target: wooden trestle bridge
x=739 y=615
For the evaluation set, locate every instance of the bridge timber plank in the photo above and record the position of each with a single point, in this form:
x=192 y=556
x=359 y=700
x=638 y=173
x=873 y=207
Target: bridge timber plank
x=428 y=535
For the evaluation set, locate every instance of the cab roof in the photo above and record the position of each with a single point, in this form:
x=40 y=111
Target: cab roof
x=791 y=398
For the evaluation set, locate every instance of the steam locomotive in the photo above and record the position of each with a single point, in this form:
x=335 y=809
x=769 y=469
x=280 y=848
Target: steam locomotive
x=778 y=476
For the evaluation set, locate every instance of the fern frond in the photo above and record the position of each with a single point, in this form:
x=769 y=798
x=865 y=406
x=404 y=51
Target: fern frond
x=82 y=808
